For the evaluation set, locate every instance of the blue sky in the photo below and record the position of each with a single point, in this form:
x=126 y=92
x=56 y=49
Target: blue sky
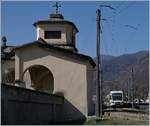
x=116 y=38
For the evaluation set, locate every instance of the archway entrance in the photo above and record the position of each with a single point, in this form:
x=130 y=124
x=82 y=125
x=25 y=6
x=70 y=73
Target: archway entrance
x=39 y=78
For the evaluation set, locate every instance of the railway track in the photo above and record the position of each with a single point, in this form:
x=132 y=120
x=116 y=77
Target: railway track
x=131 y=110
x=127 y=114
x=127 y=107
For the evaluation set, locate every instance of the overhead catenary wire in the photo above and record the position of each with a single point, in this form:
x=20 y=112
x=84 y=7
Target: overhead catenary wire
x=131 y=3
x=104 y=44
x=120 y=9
x=133 y=32
x=112 y=28
x=131 y=26
x=111 y=23
x=99 y=91
x=113 y=42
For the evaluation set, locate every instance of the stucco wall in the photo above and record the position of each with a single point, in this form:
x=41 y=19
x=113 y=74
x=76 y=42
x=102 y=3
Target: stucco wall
x=24 y=106
x=66 y=33
x=70 y=77
x=90 y=85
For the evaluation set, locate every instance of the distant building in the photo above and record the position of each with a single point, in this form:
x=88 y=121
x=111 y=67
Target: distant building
x=52 y=64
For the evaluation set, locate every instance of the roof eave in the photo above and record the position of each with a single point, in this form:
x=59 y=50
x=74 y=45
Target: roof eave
x=55 y=22
x=40 y=44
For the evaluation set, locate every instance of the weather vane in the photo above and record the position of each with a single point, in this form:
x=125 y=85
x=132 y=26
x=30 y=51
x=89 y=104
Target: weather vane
x=57 y=6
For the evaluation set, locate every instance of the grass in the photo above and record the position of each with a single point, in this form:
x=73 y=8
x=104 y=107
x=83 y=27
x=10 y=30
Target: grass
x=115 y=121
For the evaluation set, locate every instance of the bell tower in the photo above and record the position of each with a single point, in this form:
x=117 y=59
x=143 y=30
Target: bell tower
x=56 y=31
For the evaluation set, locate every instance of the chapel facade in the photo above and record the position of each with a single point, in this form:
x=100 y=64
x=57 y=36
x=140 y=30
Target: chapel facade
x=53 y=65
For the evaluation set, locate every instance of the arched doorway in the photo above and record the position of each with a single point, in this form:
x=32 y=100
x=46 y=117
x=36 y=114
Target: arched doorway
x=39 y=78
x=8 y=76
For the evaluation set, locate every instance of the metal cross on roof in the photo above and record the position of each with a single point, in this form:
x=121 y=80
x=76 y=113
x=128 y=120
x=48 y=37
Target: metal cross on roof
x=57 y=6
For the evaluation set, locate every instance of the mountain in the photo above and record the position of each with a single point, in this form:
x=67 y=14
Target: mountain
x=117 y=73
x=107 y=57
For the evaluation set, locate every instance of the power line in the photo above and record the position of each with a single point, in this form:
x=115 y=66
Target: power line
x=109 y=31
x=112 y=34
x=132 y=27
x=99 y=91
x=126 y=7
x=112 y=29
x=104 y=43
x=132 y=35
x=112 y=24
x=107 y=6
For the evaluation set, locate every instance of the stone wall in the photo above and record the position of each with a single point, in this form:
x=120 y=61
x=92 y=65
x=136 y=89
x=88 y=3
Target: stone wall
x=25 y=106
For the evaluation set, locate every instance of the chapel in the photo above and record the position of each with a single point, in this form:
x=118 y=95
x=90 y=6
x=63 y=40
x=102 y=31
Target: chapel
x=53 y=65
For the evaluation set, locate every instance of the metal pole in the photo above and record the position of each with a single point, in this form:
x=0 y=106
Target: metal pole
x=132 y=81
x=128 y=82
x=98 y=67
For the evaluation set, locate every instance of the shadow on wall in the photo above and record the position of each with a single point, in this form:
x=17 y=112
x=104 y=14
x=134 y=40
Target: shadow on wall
x=24 y=106
x=70 y=114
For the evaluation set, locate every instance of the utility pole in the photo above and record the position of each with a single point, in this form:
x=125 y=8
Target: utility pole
x=99 y=105
x=128 y=88
x=132 y=81
x=98 y=67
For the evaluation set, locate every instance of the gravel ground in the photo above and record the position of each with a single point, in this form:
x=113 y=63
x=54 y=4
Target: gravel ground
x=128 y=115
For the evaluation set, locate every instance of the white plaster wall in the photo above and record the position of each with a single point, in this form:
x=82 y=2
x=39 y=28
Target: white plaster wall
x=90 y=86
x=70 y=77
x=27 y=79
x=66 y=33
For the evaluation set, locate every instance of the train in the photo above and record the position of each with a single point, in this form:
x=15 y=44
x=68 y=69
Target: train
x=114 y=98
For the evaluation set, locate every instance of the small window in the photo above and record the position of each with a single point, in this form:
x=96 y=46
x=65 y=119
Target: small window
x=52 y=35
